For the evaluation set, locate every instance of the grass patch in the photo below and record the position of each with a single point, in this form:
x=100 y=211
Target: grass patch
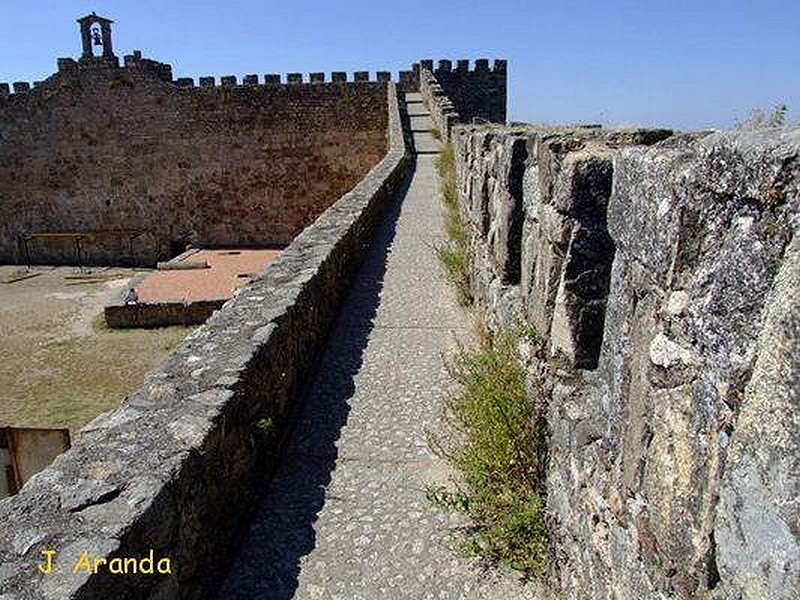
x=496 y=442
x=69 y=381
x=454 y=253
x=173 y=333
x=99 y=324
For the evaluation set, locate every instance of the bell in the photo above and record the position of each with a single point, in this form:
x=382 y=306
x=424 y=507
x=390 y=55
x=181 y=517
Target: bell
x=98 y=41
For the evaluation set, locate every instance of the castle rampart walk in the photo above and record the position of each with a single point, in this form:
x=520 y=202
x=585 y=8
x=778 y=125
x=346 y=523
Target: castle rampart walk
x=345 y=516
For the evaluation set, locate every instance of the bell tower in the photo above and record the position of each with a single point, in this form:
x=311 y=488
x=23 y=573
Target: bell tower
x=96 y=31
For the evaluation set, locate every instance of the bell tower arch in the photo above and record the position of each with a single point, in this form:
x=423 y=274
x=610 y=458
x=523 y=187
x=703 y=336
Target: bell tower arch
x=96 y=31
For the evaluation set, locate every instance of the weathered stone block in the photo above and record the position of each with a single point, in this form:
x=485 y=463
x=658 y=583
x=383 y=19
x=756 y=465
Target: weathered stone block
x=272 y=78
x=361 y=76
x=407 y=80
x=294 y=78
x=757 y=541
x=698 y=251
x=317 y=77
x=338 y=76
x=251 y=79
x=505 y=210
x=207 y=82
x=227 y=80
x=20 y=87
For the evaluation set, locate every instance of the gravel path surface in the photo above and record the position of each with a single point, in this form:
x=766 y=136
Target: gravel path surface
x=345 y=516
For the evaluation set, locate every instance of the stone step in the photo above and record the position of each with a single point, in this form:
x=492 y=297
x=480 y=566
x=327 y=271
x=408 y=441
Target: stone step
x=417 y=110
x=425 y=143
x=421 y=123
x=413 y=97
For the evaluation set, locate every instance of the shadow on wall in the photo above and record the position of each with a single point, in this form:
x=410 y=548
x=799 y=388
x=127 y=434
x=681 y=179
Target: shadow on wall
x=281 y=531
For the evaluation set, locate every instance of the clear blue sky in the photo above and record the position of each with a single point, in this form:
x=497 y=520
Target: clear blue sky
x=680 y=63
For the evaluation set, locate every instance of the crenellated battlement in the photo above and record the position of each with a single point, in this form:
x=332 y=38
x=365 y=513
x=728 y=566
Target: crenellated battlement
x=134 y=106
x=477 y=91
x=136 y=62
x=69 y=67
x=406 y=80
x=447 y=73
x=443 y=111
x=481 y=65
x=456 y=93
x=275 y=79
x=96 y=31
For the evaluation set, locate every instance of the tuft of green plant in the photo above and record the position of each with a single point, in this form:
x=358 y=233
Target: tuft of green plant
x=496 y=443
x=761 y=119
x=454 y=253
x=436 y=134
x=522 y=330
x=265 y=425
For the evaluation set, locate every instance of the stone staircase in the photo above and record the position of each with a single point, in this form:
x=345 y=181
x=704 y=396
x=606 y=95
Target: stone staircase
x=421 y=125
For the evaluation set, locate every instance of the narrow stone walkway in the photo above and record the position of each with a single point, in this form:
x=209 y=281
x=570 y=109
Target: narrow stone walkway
x=345 y=517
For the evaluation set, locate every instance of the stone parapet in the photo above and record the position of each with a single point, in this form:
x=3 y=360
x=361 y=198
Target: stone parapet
x=661 y=273
x=163 y=71
x=443 y=113
x=119 y=315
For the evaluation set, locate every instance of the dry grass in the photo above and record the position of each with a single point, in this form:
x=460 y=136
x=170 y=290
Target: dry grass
x=59 y=365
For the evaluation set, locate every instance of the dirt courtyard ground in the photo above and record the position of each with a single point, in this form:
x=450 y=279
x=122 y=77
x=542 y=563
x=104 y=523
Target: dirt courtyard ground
x=59 y=365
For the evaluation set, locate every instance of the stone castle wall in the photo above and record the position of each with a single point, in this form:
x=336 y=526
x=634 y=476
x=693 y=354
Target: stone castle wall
x=664 y=279
x=477 y=94
x=172 y=469
x=442 y=110
x=463 y=95
x=150 y=164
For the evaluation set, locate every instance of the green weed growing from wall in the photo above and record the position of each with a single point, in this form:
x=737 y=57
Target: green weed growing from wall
x=454 y=253
x=496 y=442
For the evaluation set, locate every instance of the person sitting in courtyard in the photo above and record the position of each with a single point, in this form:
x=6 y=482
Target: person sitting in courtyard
x=131 y=296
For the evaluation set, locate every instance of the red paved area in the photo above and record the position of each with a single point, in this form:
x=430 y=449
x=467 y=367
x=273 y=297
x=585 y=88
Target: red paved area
x=228 y=270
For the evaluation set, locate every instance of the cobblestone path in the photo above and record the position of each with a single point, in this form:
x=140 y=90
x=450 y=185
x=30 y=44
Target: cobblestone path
x=345 y=516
